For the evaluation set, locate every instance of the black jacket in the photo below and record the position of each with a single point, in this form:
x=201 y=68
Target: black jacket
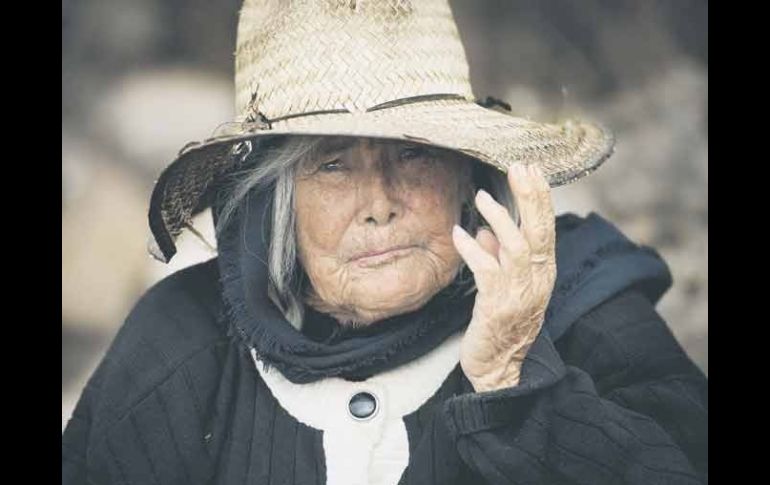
x=177 y=400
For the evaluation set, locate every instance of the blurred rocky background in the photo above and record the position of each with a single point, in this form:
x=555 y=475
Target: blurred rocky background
x=142 y=78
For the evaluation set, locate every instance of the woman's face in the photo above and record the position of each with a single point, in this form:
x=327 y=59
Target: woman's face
x=374 y=221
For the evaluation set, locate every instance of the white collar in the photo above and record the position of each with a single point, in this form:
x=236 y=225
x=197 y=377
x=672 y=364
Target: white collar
x=375 y=450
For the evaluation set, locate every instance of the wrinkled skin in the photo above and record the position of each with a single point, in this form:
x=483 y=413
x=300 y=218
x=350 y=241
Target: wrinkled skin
x=373 y=195
x=368 y=195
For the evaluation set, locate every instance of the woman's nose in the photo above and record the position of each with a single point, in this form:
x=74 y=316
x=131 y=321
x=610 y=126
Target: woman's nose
x=382 y=203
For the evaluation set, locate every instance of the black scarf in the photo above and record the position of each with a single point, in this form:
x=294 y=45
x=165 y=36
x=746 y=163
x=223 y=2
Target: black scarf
x=324 y=348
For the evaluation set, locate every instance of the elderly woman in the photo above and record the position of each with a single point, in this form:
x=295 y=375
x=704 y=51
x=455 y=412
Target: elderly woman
x=393 y=300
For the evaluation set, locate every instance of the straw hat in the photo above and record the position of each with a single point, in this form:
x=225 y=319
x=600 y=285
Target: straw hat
x=392 y=69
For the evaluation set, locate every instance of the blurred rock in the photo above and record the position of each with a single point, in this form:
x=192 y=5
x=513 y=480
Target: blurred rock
x=574 y=198
x=527 y=101
x=103 y=218
x=149 y=116
x=660 y=164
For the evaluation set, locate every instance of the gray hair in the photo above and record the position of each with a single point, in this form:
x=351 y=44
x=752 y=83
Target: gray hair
x=268 y=163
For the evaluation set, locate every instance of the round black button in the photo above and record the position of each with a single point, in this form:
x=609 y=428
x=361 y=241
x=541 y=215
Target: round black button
x=363 y=405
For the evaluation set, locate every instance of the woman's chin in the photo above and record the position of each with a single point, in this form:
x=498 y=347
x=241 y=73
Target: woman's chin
x=392 y=291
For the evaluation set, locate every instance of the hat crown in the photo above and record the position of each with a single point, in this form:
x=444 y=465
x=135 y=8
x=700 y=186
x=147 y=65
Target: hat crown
x=301 y=56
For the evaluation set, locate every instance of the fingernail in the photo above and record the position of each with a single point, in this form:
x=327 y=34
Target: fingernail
x=483 y=193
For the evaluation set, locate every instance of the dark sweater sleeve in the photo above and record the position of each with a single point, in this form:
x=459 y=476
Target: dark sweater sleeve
x=618 y=403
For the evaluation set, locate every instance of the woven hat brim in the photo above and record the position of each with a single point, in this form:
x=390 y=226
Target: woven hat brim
x=565 y=152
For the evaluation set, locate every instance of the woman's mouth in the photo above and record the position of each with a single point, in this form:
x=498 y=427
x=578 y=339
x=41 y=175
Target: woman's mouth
x=370 y=259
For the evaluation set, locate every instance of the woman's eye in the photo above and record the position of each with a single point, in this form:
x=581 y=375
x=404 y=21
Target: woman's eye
x=333 y=166
x=411 y=153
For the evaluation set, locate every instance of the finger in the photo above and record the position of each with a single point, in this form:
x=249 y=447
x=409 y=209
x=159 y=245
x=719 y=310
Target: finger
x=533 y=201
x=480 y=262
x=487 y=240
x=513 y=246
